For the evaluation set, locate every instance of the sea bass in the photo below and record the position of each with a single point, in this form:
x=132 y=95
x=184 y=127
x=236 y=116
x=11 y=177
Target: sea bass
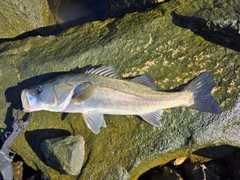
x=100 y=91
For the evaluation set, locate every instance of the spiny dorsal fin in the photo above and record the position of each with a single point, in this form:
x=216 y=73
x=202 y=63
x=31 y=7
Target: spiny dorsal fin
x=83 y=92
x=104 y=71
x=145 y=80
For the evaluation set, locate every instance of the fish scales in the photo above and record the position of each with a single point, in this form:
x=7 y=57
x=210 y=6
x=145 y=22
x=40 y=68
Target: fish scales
x=127 y=97
x=99 y=91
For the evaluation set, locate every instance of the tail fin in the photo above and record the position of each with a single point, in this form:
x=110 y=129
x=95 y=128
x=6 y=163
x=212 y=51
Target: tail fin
x=201 y=87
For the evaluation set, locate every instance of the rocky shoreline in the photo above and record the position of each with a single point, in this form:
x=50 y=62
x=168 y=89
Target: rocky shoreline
x=173 y=42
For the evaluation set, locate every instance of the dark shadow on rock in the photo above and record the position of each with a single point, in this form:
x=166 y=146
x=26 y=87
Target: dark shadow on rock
x=13 y=94
x=216 y=152
x=68 y=14
x=64 y=115
x=27 y=171
x=121 y=7
x=74 y=13
x=42 y=31
x=220 y=33
x=36 y=137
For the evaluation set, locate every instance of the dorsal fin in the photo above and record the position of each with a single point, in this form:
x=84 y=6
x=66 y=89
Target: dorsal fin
x=145 y=80
x=104 y=71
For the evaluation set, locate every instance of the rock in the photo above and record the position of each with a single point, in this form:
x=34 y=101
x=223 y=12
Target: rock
x=164 y=172
x=223 y=168
x=151 y=43
x=71 y=13
x=18 y=17
x=18 y=167
x=211 y=170
x=121 y=7
x=179 y=160
x=66 y=155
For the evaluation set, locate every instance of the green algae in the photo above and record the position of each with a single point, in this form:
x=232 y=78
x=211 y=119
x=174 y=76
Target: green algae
x=138 y=43
x=19 y=17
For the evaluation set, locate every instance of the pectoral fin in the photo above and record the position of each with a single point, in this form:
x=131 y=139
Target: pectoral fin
x=103 y=123
x=153 y=117
x=83 y=92
x=94 y=121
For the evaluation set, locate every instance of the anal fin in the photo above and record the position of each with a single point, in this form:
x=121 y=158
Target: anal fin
x=153 y=117
x=94 y=121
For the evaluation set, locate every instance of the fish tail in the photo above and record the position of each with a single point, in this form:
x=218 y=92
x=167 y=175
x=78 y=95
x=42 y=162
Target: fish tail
x=201 y=87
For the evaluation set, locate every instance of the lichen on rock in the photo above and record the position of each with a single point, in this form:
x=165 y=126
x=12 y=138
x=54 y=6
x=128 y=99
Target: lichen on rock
x=139 y=43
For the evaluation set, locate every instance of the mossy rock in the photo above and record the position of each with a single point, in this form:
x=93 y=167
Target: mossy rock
x=25 y=18
x=138 y=43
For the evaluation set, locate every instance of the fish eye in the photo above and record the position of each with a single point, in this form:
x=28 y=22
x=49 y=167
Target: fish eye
x=38 y=90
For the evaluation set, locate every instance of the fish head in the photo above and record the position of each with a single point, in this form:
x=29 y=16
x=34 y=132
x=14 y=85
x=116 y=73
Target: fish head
x=49 y=96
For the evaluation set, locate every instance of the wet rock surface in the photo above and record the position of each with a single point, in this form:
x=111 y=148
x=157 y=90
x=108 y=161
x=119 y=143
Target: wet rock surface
x=21 y=17
x=154 y=42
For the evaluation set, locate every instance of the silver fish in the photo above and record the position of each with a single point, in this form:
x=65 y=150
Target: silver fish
x=100 y=91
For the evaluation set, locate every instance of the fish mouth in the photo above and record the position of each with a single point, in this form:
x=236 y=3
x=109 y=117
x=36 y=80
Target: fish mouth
x=24 y=99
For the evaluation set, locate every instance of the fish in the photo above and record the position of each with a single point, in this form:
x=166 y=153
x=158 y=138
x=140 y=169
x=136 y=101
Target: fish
x=100 y=91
